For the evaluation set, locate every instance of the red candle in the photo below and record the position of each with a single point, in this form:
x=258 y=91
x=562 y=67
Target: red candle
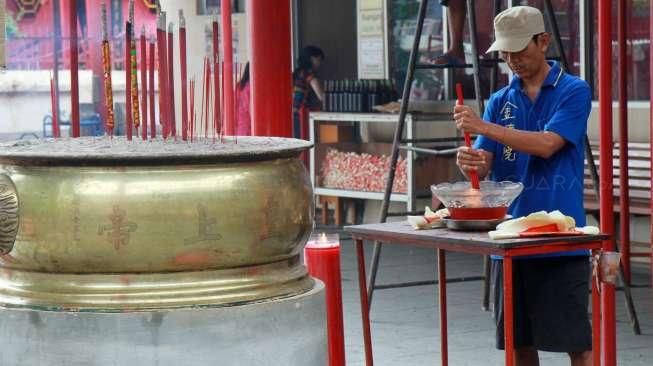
x=322 y=258
x=74 y=68
x=128 y=81
x=151 y=91
x=184 y=76
x=144 y=85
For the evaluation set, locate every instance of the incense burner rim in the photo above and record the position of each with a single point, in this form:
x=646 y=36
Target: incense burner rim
x=242 y=149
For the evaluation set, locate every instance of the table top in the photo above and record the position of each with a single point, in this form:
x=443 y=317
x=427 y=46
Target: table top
x=402 y=233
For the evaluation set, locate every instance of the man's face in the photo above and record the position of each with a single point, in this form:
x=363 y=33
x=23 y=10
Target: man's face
x=527 y=62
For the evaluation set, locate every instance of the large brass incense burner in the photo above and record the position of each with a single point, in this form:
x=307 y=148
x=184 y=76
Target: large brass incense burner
x=110 y=225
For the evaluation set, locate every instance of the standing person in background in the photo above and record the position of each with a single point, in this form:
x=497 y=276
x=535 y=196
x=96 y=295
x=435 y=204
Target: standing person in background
x=305 y=83
x=243 y=115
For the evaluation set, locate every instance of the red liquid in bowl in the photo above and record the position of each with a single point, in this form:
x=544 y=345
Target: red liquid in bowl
x=477 y=213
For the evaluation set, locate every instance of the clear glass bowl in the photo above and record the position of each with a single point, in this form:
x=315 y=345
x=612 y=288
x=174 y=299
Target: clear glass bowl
x=489 y=202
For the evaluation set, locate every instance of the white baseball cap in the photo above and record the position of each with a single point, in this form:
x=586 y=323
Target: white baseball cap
x=515 y=27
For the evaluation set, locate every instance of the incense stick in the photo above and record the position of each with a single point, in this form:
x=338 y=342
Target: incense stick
x=144 y=84
x=106 y=68
x=184 y=76
x=151 y=91
x=171 y=85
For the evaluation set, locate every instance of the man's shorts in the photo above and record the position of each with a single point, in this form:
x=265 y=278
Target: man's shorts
x=551 y=303
x=444 y=2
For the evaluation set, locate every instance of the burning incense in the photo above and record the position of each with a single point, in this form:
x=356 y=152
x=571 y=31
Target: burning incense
x=144 y=83
x=171 y=85
x=184 y=75
x=163 y=73
x=128 y=80
x=191 y=124
x=228 y=54
x=106 y=67
x=203 y=95
x=134 y=69
x=53 y=97
x=207 y=86
x=151 y=91
x=216 y=78
x=74 y=68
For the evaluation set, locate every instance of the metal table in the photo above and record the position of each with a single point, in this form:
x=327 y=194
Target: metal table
x=479 y=243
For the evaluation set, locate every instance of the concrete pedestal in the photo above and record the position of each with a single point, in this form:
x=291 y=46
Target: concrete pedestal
x=289 y=331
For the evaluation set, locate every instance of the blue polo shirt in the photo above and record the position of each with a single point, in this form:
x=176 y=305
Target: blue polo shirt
x=562 y=107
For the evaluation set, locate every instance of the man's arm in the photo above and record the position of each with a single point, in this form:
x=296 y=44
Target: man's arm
x=542 y=144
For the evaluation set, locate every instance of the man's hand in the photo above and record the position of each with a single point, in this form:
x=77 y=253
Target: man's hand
x=468 y=121
x=469 y=159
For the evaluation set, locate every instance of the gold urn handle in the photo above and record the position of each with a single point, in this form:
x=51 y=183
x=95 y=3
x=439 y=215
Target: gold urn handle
x=8 y=214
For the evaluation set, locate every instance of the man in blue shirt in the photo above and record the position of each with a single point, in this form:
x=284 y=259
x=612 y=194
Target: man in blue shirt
x=533 y=132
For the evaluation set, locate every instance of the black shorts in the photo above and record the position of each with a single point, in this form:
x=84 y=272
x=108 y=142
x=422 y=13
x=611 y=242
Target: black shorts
x=444 y=2
x=551 y=303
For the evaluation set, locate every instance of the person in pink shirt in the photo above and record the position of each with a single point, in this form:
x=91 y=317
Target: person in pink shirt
x=243 y=116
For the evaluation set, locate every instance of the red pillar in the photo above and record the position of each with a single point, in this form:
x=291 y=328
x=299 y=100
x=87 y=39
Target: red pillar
x=228 y=76
x=270 y=67
x=624 y=215
x=650 y=58
x=608 y=321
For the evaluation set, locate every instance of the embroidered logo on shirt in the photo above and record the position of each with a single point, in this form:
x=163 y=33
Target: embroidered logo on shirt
x=506 y=111
x=508 y=153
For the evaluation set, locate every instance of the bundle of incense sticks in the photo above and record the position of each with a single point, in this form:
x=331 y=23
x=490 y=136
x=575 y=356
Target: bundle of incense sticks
x=171 y=85
x=106 y=68
x=134 y=69
x=217 y=116
x=128 y=80
x=74 y=68
x=184 y=76
x=163 y=73
x=151 y=90
x=144 y=83
x=53 y=100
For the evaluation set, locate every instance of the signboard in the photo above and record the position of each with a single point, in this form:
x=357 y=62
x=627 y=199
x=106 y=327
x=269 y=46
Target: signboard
x=372 y=40
x=3 y=36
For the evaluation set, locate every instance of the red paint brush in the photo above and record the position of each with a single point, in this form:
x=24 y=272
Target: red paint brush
x=473 y=175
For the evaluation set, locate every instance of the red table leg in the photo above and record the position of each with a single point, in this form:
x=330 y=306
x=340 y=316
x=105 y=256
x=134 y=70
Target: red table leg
x=596 y=319
x=508 y=308
x=442 y=289
x=365 y=309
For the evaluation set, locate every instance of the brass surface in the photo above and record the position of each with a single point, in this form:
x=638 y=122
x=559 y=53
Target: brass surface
x=132 y=237
x=8 y=214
